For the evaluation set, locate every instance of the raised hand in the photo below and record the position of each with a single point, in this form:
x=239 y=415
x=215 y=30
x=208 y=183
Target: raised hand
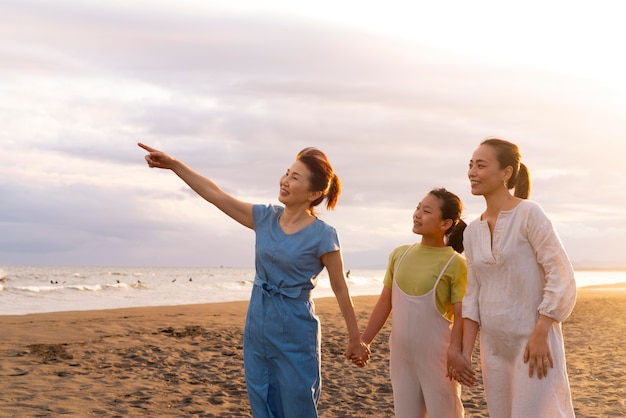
x=156 y=158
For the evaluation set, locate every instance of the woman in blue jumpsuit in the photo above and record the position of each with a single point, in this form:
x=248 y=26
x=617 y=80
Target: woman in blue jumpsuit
x=282 y=331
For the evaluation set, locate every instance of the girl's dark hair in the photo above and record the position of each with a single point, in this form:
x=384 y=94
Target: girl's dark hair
x=508 y=154
x=323 y=178
x=451 y=208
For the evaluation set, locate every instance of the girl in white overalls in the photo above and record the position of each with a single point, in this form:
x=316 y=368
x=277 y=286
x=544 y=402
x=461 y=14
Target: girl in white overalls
x=425 y=284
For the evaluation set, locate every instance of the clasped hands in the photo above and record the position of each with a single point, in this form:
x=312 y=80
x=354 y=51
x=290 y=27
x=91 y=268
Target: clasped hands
x=460 y=369
x=359 y=353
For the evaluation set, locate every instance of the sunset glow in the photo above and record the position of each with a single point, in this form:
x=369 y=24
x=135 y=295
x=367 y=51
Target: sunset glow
x=398 y=95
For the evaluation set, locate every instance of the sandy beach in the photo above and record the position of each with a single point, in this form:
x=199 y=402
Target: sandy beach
x=187 y=361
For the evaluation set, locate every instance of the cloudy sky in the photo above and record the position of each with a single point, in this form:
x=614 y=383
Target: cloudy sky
x=398 y=94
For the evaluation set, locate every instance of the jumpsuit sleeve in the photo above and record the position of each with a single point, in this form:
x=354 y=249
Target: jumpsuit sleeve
x=329 y=243
x=559 y=294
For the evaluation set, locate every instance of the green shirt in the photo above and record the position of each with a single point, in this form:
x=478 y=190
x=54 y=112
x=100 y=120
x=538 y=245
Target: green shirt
x=419 y=270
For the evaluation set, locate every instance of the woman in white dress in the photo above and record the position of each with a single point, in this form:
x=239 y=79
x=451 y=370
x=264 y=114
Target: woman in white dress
x=520 y=288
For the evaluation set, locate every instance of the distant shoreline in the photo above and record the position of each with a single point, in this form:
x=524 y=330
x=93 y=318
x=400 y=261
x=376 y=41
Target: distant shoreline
x=599 y=268
x=588 y=291
x=383 y=267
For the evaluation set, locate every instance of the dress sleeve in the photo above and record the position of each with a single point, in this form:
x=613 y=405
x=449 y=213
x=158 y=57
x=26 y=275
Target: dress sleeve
x=559 y=294
x=471 y=308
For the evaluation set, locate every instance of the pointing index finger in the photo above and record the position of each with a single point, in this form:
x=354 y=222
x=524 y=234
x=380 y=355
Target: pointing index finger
x=147 y=148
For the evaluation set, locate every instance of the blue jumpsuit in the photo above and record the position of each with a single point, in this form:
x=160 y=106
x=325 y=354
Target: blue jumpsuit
x=282 y=333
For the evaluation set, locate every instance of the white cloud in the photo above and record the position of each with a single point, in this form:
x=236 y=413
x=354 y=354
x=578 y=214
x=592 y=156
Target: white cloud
x=237 y=92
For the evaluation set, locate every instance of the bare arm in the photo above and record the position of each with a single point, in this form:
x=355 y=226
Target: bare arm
x=462 y=367
x=334 y=265
x=378 y=317
x=456 y=337
x=206 y=188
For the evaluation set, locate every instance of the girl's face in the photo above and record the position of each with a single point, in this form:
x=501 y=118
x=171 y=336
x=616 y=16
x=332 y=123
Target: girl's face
x=427 y=217
x=484 y=172
x=295 y=185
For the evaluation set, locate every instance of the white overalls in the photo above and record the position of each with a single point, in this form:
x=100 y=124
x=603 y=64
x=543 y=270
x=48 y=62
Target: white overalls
x=420 y=336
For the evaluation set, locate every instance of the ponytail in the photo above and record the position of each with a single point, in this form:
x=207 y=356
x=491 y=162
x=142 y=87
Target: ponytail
x=455 y=236
x=334 y=190
x=522 y=185
x=451 y=208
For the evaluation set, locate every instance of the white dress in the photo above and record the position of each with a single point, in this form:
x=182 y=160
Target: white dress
x=523 y=273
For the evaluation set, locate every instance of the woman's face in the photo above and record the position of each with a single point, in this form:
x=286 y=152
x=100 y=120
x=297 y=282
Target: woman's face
x=295 y=185
x=427 y=217
x=484 y=171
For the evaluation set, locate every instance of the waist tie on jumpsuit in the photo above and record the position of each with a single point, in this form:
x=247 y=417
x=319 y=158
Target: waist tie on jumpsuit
x=282 y=352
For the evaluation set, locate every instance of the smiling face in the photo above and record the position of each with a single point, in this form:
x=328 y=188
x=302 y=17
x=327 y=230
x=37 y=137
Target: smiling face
x=427 y=220
x=295 y=185
x=485 y=174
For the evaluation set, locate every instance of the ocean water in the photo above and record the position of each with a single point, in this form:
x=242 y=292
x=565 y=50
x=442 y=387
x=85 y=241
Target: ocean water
x=30 y=289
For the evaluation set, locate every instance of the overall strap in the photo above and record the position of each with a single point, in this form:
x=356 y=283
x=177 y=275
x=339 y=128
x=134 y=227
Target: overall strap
x=395 y=272
x=443 y=270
